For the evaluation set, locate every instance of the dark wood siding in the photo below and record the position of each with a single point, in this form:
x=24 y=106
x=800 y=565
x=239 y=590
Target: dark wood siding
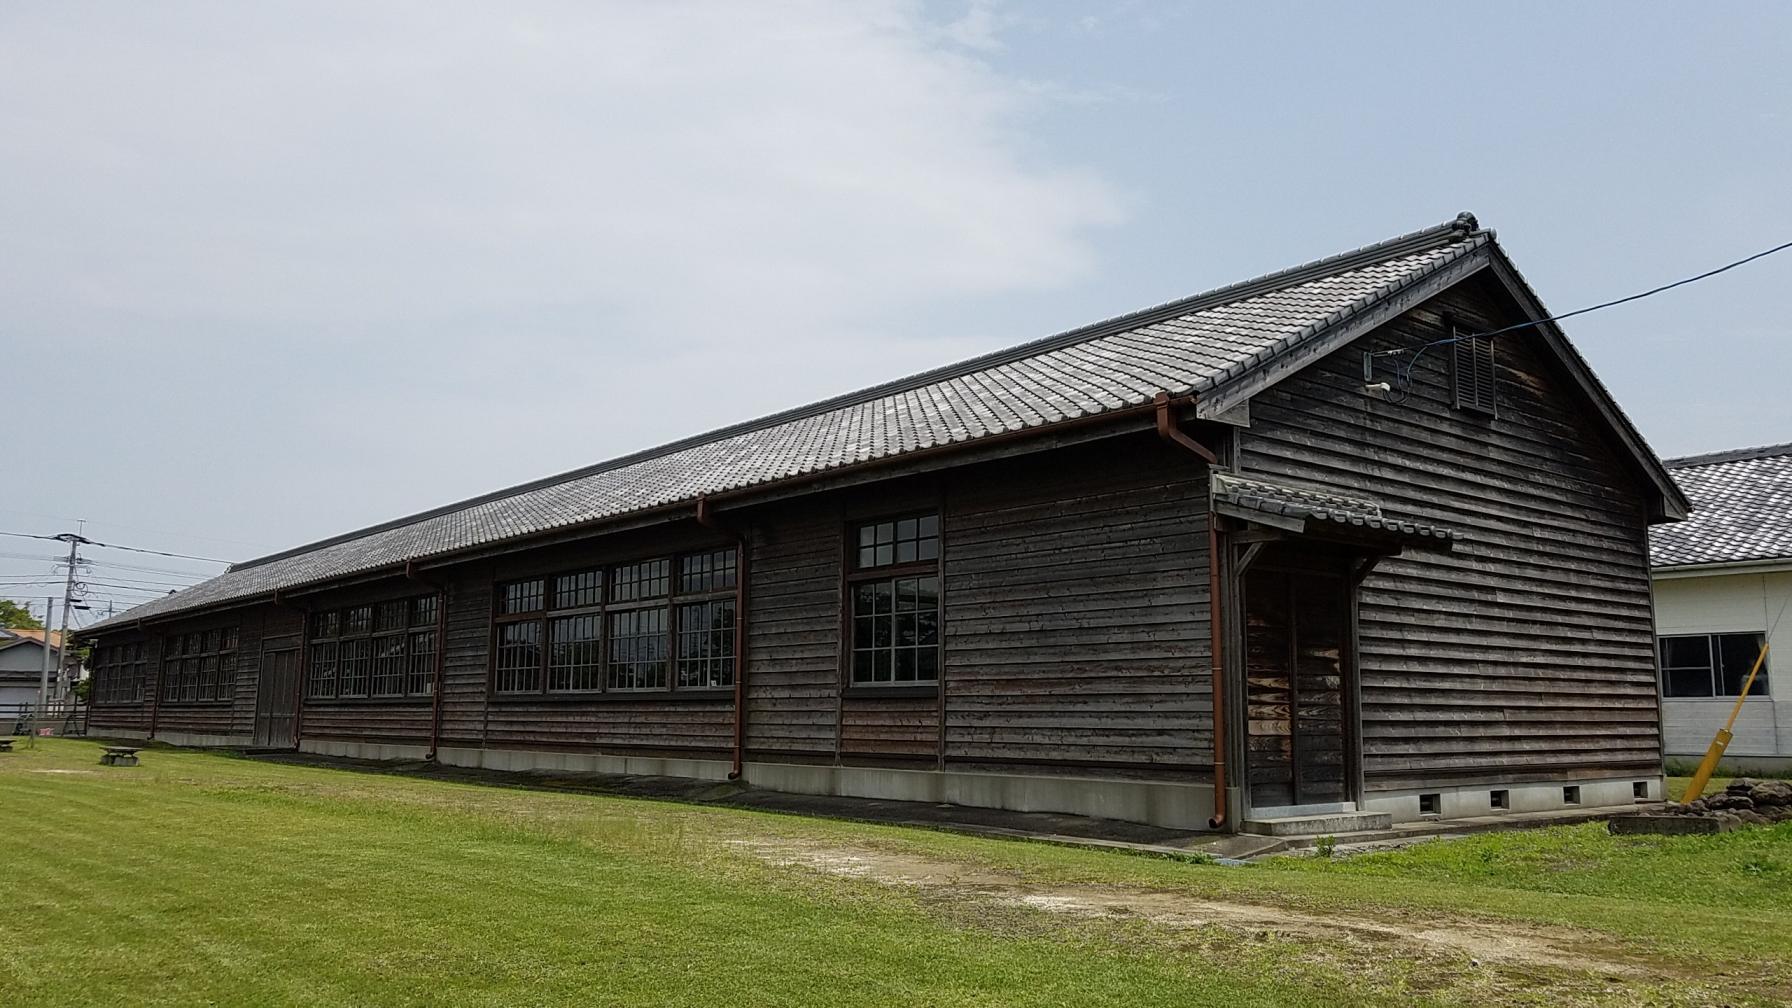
x=1527 y=653
x=466 y=651
x=793 y=685
x=1077 y=611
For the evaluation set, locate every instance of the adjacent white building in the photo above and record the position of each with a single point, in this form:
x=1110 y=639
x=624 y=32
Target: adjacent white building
x=1723 y=587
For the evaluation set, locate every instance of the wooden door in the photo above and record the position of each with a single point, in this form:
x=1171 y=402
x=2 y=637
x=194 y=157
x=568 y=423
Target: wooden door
x=1297 y=737
x=277 y=698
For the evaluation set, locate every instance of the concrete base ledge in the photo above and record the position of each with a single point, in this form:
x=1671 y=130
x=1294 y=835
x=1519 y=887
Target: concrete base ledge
x=191 y=740
x=1547 y=796
x=1157 y=803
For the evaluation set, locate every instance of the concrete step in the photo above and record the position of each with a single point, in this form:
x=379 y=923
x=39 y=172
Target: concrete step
x=1325 y=824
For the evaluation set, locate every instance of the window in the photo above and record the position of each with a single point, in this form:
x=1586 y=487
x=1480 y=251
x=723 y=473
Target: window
x=386 y=650
x=901 y=541
x=659 y=624
x=198 y=667
x=574 y=653
x=1706 y=665
x=895 y=602
x=706 y=644
x=118 y=673
x=1476 y=380
x=637 y=649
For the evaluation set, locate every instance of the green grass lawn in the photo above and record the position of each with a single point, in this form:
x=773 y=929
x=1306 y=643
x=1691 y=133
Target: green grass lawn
x=206 y=879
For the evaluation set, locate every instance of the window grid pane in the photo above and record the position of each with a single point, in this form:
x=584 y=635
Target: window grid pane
x=355 y=667
x=700 y=573
x=421 y=679
x=895 y=631
x=645 y=580
x=389 y=663
x=706 y=644
x=638 y=649
x=321 y=676
x=519 y=657
x=575 y=659
x=914 y=539
x=423 y=611
x=576 y=591
x=522 y=596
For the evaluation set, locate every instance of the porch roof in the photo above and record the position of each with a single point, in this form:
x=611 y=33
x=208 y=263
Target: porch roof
x=1319 y=512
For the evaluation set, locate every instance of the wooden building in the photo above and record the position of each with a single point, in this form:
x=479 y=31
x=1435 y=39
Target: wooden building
x=1268 y=552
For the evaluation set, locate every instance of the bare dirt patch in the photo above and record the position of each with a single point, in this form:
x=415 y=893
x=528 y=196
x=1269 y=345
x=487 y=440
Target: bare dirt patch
x=1480 y=940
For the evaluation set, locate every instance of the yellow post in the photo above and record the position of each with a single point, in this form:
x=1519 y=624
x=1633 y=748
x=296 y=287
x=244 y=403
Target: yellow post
x=1708 y=766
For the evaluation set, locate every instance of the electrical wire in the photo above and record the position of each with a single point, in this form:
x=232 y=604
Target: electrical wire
x=139 y=549
x=1404 y=384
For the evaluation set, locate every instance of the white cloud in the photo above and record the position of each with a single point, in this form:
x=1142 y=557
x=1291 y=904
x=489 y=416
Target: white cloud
x=363 y=257
x=390 y=161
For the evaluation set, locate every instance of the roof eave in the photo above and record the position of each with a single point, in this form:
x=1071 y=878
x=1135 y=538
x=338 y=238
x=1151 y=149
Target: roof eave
x=1671 y=504
x=1765 y=565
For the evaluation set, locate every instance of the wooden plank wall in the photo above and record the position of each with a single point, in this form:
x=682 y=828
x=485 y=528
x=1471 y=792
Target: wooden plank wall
x=1528 y=653
x=133 y=717
x=793 y=686
x=1076 y=634
x=384 y=720
x=1077 y=611
x=640 y=723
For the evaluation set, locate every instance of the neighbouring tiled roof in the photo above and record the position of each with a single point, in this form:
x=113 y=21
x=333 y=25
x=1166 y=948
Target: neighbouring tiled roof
x=1191 y=345
x=1742 y=509
x=1251 y=494
x=21 y=634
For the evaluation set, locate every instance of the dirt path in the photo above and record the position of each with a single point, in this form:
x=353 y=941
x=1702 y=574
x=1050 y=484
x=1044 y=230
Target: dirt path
x=1493 y=941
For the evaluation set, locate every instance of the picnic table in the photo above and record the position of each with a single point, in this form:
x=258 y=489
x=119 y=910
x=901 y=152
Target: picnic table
x=119 y=756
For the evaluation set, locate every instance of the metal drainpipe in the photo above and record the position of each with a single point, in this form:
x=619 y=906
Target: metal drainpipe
x=742 y=568
x=1173 y=434
x=435 y=706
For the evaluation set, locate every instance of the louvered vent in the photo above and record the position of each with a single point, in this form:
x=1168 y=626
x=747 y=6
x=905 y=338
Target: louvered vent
x=1475 y=379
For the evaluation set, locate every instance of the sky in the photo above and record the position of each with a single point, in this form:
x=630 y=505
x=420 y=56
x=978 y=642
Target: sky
x=273 y=271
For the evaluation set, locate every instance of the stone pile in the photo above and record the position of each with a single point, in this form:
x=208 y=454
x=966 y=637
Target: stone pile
x=1743 y=802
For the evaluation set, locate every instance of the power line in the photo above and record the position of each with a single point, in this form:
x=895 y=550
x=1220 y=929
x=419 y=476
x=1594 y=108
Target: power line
x=1582 y=311
x=136 y=528
x=147 y=570
x=139 y=549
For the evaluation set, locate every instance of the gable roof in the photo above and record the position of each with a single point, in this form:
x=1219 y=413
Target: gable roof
x=1742 y=502
x=1230 y=338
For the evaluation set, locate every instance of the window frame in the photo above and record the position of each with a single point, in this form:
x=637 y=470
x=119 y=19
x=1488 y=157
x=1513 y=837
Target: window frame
x=332 y=631
x=852 y=574
x=120 y=674
x=665 y=566
x=198 y=667
x=1713 y=668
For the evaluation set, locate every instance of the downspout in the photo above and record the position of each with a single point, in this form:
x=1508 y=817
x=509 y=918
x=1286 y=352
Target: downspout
x=1173 y=434
x=742 y=575
x=435 y=706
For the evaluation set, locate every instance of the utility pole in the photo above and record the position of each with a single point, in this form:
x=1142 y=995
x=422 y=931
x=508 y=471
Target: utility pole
x=74 y=541
x=43 y=684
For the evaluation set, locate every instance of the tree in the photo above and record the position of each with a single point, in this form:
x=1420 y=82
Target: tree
x=14 y=616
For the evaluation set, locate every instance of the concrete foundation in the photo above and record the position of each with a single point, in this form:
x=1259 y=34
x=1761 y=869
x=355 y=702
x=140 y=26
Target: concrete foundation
x=1551 y=796
x=1157 y=803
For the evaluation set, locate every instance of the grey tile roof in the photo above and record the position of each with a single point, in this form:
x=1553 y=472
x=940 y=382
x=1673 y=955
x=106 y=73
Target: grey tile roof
x=1185 y=346
x=1742 y=509
x=1251 y=494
